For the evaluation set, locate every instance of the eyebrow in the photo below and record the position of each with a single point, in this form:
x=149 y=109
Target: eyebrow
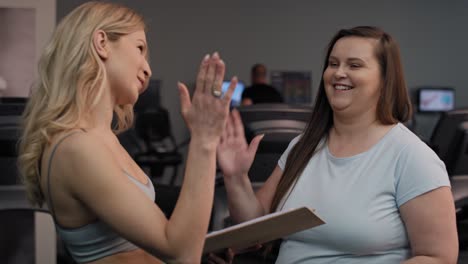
x=143 y=41
x=348 y=59
x=354 y=59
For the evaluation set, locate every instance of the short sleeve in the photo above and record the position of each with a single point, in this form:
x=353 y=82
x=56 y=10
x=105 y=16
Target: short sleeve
x=419 y=170
x=284 y=157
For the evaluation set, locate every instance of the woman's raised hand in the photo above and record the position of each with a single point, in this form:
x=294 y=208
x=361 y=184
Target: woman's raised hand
x=235 y=156
x=207 y=112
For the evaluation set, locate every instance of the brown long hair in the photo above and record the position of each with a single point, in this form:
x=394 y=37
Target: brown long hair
x=394 y=104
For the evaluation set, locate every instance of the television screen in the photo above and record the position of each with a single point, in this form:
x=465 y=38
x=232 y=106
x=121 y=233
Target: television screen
x=436 y=99
x=237 y=95
x=295 y=86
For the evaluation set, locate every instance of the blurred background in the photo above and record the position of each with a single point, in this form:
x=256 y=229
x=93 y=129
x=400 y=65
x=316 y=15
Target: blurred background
x=288 y=37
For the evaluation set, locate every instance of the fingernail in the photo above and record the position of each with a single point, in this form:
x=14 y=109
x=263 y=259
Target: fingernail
x=207 y=56
x=179 y=84
x=216 y=54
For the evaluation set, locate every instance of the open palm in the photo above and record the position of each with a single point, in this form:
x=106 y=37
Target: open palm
x=204 y=113
x=235 y=156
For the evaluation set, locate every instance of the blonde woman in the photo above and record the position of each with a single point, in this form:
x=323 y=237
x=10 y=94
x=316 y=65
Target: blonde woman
x=103 y=204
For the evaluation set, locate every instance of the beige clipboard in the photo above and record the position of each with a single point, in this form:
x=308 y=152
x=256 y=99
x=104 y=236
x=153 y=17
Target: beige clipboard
x=262 y=229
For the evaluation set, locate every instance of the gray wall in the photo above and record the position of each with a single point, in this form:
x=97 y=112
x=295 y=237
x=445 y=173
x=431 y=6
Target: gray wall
x=17 y=50
x=292 y=35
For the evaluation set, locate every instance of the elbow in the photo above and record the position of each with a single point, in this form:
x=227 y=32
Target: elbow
x=448 y=258
x=452 y=259
x=185 y=258
x=438 y=253
x=184 y=254
x=189 y=260
x=179 y=256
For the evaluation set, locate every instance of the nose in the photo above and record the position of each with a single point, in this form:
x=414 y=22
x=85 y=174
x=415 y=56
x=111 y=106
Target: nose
x=147 y=70
x=340 y=72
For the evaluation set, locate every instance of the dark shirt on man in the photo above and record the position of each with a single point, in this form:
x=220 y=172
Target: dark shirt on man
x=262 y=93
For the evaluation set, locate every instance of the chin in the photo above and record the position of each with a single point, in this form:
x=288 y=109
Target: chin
x=133 y=97
x=339 y=105
x=130 y=99
x=133 y=102
x=338 y=109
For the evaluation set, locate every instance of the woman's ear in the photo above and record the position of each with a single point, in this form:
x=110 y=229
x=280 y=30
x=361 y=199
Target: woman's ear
x=101 y=44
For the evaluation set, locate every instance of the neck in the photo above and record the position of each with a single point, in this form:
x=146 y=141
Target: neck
x=100 y=118
x=355 y=128
x=350 y=136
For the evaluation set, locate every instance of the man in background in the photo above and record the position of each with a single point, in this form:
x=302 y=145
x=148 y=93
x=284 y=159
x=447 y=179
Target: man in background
x=260 y=91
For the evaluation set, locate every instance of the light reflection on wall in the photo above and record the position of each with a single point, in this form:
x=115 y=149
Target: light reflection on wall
x=17 y=50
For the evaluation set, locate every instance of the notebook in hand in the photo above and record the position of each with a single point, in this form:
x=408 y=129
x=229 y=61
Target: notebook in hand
x=262 y=229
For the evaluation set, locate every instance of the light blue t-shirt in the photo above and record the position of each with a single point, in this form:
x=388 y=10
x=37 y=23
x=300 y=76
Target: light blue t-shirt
x=359 y=198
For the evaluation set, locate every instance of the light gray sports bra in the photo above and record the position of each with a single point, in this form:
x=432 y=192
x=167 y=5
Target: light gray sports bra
x=95 y=240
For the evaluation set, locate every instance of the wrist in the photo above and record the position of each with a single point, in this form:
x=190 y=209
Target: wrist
x=205 y=143
x=236 y=178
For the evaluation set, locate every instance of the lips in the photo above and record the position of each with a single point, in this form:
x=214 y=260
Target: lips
x=342 y=87
x=142 y=82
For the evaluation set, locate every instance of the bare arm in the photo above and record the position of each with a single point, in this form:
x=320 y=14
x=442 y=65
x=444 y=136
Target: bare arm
x=242 y=202
x=267 y=191
x=431 y=226
x=205 y=117
x=235 y=157
x=101 y=186
x=188 y=224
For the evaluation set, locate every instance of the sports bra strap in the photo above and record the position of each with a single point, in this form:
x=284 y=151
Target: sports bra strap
x=48 y=172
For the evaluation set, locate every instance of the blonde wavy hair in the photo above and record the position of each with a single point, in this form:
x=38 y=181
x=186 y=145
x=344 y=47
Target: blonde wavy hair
x=70 y=84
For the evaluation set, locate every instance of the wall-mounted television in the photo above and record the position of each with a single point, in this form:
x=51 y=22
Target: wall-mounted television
x=436 y=99
x=236 y=98
x=295 y=86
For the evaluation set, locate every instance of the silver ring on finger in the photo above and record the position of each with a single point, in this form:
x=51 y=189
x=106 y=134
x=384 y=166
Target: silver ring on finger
x=216 y=93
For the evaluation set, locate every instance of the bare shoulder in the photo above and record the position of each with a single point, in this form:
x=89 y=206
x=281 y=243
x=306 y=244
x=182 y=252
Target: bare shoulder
x=82 y=148
x=83 y=159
